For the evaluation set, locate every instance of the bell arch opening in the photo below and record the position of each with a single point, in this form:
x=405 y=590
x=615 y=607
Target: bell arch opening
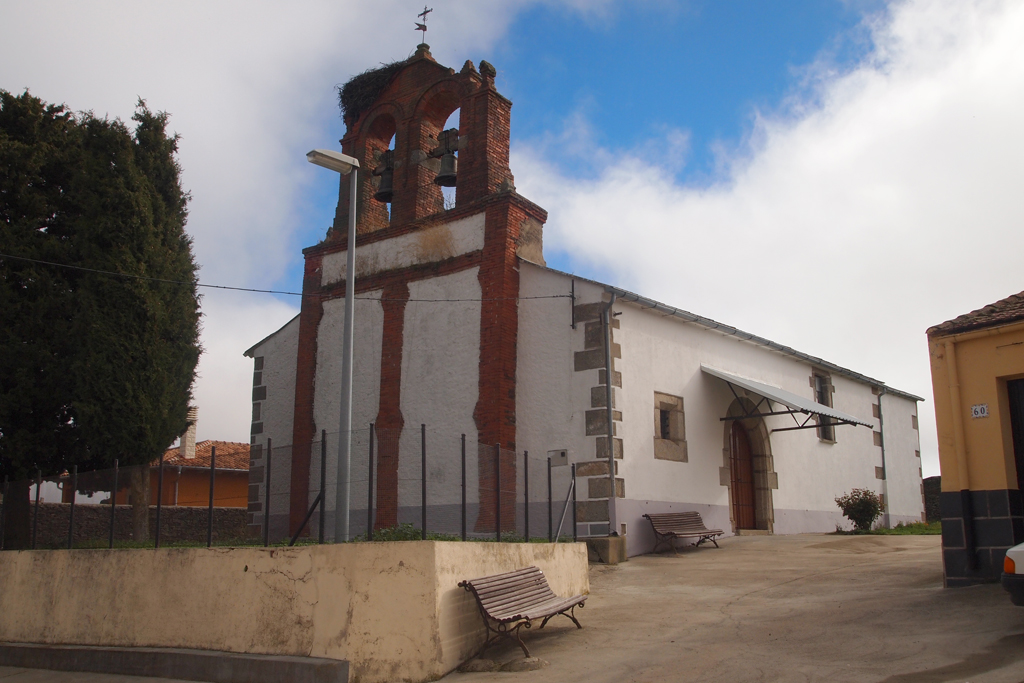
x=380 y=139
x=747 y=454
x=448 y=188
x=439 y=115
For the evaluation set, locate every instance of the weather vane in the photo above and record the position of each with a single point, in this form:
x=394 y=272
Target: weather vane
x=423 y=26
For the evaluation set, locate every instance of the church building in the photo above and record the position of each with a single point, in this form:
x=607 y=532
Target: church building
x=461 y=327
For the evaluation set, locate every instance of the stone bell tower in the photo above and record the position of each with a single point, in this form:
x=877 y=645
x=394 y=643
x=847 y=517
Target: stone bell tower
x=406 y=235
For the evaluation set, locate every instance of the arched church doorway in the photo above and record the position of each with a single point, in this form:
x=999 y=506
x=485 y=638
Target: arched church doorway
x=748 y=468
x=741 y=465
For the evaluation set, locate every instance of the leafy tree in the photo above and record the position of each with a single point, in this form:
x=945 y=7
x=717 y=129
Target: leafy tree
x=93 y=367
x=860 y=506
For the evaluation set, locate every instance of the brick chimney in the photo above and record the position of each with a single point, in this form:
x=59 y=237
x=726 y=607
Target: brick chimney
x=187 y=448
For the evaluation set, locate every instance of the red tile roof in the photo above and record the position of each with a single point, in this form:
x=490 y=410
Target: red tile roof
x=231 y=455
x=1005 y=311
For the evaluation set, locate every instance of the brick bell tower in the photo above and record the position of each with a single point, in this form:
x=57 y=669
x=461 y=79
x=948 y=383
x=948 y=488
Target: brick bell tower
x=409 y=102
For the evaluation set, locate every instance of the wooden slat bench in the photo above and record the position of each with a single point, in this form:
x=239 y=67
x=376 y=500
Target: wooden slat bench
x=671 y=525
x=516 y=599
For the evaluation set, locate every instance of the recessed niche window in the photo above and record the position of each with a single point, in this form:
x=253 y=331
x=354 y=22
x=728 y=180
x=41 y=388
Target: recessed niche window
x=823 y=389
x=669 y=428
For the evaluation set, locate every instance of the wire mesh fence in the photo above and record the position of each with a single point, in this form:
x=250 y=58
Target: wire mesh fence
x=416 y=482
x=402 y=484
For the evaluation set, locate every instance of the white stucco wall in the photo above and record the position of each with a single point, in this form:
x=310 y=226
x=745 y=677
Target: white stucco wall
x=551 y=398
x=420 y=246
x=368 y=332
x=440 y=385
x=664 y=354
x=279 y=353
x=902 y=460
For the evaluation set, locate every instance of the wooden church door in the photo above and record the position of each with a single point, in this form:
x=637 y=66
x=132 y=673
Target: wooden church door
x=742 y=465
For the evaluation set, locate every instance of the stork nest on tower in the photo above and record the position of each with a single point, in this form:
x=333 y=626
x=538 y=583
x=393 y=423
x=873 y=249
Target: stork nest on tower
x=362 y=91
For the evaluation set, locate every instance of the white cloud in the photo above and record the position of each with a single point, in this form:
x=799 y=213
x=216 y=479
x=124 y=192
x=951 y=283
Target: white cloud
x=232 y=322
x=883 y=201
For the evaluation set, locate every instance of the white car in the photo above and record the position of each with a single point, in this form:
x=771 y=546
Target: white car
x=1013 y=574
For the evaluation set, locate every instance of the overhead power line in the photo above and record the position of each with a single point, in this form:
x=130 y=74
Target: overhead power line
x=129 y=276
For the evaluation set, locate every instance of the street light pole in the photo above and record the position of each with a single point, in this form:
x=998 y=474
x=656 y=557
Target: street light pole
x=344 y=164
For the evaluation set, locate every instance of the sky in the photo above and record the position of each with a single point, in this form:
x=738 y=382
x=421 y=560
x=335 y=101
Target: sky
x=835 y=175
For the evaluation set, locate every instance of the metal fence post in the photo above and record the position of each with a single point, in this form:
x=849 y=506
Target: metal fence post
x=423 y=479
x=113 y=504
x=35 y=514
x=526 y=492
x=213 y=476
x=266 y=494
x=574 y=536
x=497 y=489
x=369 y=487
x=463 y=487
x=323 y=486
x=159 y=497
x=3 y=510
x=550 y=529
x=71 y=510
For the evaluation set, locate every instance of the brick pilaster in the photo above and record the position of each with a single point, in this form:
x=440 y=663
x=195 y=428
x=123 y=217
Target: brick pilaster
x=304 y=425
x=390 y=421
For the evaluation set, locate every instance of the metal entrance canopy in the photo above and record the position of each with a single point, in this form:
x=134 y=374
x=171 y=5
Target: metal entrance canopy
x=796 y=404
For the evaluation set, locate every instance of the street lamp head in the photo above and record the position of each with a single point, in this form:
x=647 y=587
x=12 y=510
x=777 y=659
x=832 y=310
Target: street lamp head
x=335 y=161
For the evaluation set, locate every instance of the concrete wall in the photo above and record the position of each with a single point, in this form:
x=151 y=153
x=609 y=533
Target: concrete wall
x=393 y=610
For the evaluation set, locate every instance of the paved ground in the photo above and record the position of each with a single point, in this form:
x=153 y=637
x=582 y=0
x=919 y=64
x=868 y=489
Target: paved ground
x=780 y=608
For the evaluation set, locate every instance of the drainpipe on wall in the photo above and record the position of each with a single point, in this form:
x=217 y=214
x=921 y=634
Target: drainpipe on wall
x=606 y=320
x=961 y=452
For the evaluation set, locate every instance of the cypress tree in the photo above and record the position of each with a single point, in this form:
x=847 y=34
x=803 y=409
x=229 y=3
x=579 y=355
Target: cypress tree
x=93 y=367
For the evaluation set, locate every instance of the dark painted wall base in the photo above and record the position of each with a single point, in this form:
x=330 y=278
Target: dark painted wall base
x=188 y=665
x=988 y=522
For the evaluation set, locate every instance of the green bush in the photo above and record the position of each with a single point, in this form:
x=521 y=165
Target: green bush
x=860 y=506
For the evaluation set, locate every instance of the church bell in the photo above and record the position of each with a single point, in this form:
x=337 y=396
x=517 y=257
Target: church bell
x=385 y=191
x=449 y=170
x=448 y=142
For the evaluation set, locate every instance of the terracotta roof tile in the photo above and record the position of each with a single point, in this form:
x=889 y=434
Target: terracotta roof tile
x=231 y=455
x=1004 y=311
x=1008 y=310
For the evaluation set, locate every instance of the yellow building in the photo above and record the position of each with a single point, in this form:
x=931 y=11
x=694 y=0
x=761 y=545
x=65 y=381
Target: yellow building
x=977 y=365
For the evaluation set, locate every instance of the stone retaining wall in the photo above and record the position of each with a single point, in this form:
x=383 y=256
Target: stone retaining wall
x=92 y=524
x=394 y=611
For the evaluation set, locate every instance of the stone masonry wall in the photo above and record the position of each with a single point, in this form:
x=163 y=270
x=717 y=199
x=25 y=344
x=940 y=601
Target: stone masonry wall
x=177 y=524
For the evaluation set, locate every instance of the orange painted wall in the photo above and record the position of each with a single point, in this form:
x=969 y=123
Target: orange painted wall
x=231 y=488
x=985 y=360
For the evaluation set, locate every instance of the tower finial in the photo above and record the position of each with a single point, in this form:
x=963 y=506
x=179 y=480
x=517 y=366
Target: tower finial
x=423 y=27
